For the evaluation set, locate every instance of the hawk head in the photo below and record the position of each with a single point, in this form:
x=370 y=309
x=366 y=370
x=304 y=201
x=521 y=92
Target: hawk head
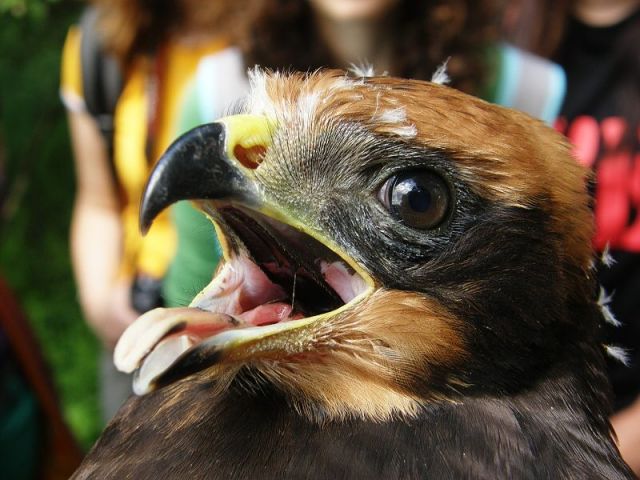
x=388 y=244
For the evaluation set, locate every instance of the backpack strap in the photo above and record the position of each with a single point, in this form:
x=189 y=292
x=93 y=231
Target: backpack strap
x=530 y=83
x=102 y=80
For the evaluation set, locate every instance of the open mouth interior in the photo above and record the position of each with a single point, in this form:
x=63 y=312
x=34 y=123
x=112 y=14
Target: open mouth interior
x=274 y=274
x=296 y=271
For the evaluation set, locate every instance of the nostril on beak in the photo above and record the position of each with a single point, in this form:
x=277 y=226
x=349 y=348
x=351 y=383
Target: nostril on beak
x=250 y=157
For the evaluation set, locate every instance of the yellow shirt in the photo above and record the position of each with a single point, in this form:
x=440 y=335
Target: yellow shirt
x=166 y=77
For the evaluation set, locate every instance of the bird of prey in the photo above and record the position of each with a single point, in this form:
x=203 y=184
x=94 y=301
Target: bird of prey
x=407 y=292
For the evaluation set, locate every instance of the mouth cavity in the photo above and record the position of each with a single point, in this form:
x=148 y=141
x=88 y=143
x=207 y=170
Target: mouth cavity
x=275 y=274
x=291 y=260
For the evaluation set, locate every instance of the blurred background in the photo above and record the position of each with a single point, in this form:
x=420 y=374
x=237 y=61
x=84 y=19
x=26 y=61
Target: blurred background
x=37 y=183
x=34 y=228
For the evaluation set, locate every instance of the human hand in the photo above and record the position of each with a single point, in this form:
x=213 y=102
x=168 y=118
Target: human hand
x=626 y=424
x=117 y=314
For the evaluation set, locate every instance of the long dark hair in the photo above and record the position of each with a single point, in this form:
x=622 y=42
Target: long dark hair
x=536 y=25
x=281 y=34
x=426 y=33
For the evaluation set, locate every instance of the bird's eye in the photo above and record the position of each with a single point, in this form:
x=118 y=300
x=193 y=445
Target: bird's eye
x=420 y=199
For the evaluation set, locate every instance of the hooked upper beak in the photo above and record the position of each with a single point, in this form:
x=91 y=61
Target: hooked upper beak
x=211 y=162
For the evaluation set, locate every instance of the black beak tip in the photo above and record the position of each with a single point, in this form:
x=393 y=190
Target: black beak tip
x=153 y=201
x=145 y=225
x=194 y=167
x=182 y=171
x=146 y=216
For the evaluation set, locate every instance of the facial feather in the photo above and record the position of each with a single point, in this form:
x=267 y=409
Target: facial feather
x=474 y=303
x=520 y=202
x=369 y=361
x=503 y=155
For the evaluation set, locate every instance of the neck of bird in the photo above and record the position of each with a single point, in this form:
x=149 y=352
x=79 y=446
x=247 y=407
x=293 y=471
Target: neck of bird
x=566 y=396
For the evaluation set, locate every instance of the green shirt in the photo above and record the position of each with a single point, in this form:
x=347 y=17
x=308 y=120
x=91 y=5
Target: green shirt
x=219 y=82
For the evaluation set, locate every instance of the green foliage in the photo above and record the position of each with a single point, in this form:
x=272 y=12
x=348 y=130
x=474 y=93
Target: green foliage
x=34 y=252
x=36 y=9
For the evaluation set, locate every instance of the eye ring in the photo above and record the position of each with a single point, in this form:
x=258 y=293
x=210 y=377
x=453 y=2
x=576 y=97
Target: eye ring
x=420 y=199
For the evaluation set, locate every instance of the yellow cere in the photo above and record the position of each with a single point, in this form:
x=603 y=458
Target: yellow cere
x=247 y=131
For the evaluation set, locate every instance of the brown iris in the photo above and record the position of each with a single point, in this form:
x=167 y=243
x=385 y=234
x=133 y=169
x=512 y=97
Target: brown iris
x=420 y=199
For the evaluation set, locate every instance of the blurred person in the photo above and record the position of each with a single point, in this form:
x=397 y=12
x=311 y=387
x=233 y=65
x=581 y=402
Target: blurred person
x=598 y=44
x=124 y=69
x=404 y=38
x=35 y=441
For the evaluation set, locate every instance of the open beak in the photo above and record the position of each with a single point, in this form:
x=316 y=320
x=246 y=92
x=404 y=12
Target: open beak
x=280 y=281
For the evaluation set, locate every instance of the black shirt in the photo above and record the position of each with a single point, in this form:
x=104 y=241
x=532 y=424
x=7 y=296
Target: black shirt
x=600 y=116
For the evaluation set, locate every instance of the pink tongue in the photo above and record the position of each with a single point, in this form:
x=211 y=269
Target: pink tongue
x=346 y=284
x=266 y=314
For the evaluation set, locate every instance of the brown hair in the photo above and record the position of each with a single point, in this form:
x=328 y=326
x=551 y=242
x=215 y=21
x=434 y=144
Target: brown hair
x=136 y=27
x=536 y=25
x=283 y=35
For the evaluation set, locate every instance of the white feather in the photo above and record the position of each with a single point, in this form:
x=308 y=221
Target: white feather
x=363 y=70
x=307 y=105
x=603 y=301
x=409 y=131
x=394 y=115
x=259 y=101
x=440 y=76
x=618 y=353
x=606 y=258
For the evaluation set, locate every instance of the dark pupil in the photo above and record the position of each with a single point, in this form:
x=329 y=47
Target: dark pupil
x=420 y=199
